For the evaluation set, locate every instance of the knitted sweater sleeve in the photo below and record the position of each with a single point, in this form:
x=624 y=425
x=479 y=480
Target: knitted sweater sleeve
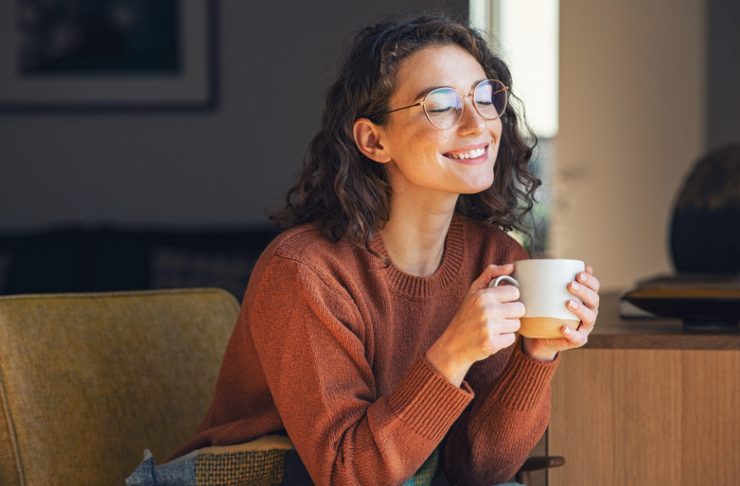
x=494 y=436
x=310 y=342
x=511 y=410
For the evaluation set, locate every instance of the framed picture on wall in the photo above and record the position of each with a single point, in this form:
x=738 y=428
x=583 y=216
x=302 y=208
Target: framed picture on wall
x=107 y=55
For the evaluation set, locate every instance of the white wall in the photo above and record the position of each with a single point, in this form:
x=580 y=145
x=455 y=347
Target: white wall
x=225 y=167
x=632 y=111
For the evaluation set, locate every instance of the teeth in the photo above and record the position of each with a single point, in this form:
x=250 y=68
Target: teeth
x=471 y=154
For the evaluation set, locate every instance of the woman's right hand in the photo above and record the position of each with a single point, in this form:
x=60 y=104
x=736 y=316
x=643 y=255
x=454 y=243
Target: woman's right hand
x=485 y=324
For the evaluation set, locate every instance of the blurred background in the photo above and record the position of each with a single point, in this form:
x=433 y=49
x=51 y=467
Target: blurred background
x=141 y=141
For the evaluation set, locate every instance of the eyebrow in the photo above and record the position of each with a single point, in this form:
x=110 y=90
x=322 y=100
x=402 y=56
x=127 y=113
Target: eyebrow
x=426 y=91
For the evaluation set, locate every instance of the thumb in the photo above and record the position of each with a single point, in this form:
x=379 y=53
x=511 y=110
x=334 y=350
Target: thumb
x=490 y=272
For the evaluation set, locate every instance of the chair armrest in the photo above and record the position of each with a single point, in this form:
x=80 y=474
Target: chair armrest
x=537 y=463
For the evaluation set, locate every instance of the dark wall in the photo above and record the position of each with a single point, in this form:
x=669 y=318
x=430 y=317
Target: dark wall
x=222 y=167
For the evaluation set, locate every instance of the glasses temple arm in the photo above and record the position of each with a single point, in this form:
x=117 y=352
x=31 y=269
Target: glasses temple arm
x=405 y=107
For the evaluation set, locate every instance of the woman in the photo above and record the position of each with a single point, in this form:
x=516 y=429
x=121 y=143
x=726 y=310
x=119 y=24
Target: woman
x=368 y=332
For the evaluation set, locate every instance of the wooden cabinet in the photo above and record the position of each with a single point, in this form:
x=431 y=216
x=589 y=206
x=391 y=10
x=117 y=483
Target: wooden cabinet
x=645 y=403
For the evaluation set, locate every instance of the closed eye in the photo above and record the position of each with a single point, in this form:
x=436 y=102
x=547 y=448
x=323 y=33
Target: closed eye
x=441 y=109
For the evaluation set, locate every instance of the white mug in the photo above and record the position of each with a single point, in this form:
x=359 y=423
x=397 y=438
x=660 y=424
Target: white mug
x=543 y=291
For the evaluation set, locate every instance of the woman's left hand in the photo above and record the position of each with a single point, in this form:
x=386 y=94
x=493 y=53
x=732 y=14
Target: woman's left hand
x=587 y=290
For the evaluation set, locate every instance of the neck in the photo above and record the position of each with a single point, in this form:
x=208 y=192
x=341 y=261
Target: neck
x=414 y=236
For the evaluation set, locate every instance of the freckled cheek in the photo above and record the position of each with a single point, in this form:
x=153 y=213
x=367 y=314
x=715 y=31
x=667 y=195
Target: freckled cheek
x=424 y=142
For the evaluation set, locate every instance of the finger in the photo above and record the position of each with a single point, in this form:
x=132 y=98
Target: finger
x=504 y=326
x=501 y=341
x=589 y=269
x=589 y=280
x=512 y=310
x=589 y=297
x=586 y=315
x=502 y=293
x=575 y=338
x=489 y=273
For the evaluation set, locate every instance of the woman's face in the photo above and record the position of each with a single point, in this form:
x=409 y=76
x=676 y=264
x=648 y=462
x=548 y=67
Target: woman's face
x=425 y=158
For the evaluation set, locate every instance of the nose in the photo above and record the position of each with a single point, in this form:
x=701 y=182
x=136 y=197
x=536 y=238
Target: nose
x=470 y=121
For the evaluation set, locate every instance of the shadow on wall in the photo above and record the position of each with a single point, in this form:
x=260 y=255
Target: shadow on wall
x=102 y=259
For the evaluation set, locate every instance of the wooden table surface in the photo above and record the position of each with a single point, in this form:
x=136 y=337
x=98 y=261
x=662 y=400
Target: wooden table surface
x=614 y=332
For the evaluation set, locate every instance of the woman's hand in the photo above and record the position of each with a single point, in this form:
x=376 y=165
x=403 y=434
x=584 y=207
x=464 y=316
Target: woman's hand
x=485 y=324
x=585 y=288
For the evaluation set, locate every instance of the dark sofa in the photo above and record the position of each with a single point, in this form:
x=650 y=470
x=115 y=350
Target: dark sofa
x=76 y=259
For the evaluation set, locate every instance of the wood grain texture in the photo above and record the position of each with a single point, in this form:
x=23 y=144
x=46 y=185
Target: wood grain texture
x=711 y=400
x=637 y=416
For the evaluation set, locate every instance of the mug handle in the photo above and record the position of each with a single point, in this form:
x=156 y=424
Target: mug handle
x=504 y=278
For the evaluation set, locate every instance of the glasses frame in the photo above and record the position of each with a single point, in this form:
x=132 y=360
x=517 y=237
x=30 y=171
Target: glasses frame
x=470 y=94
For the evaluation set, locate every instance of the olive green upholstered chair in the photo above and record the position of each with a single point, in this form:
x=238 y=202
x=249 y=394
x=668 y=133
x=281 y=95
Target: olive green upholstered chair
x=88 y=381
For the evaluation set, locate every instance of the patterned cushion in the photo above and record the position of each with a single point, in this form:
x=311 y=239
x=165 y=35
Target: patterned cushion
x=259 y=463
x=267 y=461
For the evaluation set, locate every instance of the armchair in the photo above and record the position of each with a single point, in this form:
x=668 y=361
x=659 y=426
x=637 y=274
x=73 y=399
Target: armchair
x=89 y=380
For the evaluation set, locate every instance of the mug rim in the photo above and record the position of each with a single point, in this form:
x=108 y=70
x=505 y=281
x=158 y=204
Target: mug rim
x=550 y=260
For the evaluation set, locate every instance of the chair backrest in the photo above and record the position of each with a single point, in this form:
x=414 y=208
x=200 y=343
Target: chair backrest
x=88 y=381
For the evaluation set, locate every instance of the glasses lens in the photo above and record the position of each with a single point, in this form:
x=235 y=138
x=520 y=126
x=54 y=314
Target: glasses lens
x=490 y=98
x=443 y=107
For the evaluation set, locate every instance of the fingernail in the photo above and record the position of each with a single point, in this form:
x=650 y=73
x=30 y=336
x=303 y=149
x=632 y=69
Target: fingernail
x=582 y=277
x=573 y=304
x=568 y=330
x=575 y=286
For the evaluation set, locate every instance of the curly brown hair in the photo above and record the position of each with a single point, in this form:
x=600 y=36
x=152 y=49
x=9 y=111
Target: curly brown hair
x=348 y=194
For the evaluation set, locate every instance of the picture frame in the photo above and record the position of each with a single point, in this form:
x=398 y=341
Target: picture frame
x=181 y=77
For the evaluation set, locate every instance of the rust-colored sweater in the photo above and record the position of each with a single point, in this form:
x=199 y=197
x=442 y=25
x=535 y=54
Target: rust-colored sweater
x=330 y=344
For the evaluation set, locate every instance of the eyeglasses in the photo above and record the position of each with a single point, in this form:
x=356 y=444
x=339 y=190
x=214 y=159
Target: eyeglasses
x=444 y=106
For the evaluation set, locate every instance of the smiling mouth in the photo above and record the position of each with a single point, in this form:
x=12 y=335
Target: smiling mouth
x=468 y=154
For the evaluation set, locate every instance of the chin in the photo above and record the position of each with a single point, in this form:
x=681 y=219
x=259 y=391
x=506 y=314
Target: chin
x=477 y=188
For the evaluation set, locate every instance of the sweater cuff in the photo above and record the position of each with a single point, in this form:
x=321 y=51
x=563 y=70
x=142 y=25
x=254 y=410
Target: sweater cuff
x=428 y=402
x=524 y=380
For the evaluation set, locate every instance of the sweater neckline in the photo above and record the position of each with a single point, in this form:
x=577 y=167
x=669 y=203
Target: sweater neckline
x=423 y=287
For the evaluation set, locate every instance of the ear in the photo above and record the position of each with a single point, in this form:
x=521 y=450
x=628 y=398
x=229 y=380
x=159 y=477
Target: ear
x=368 y=138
